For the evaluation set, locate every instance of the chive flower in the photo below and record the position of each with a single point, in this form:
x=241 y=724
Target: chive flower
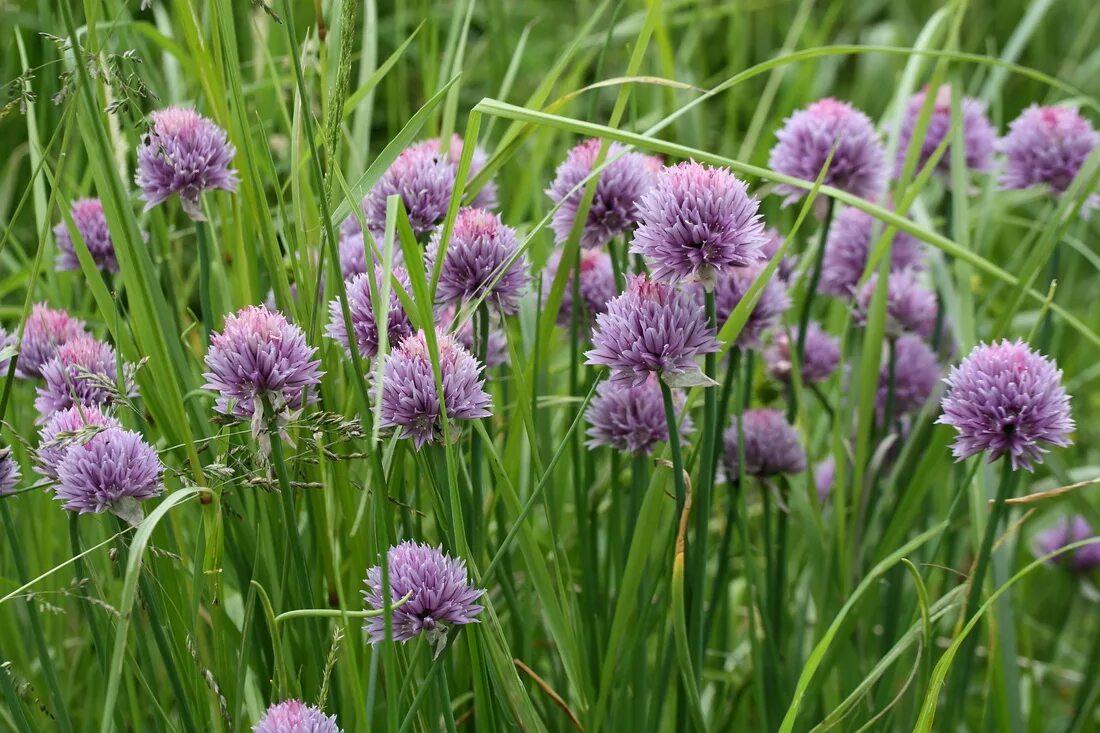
x=82 y=372
x=1006 y=399
x=363 y=321
x=848 y=250
x=183 y=153
x=772 y=445
x=732 y=287
x=1046 y=146
x=698 y=222
x=45 y=330
x=630 y=418
x=482 y=260
x=9 y=471
x=294 y=716
x=87 y=215
x=1068 y=531
x=821 y=358
x=113 y=472
x=979 y=135
x=66 y=428
x=916 y=373
x=596 y=285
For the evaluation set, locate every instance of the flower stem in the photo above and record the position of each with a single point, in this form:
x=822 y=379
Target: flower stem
x=815 y=278
x=964 y=661
x=697 y=557
x=205 y=300
x=674 y=447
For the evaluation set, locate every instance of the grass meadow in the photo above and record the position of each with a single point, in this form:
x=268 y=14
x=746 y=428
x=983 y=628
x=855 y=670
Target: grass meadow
x=670 y=585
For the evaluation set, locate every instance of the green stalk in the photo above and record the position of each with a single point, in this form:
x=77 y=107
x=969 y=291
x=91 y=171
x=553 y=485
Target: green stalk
x=15 y=545
x=674 y=447
x=815 y=278
x=481 y=334
x=205 y=301
x=957 y=692
x=697 y=556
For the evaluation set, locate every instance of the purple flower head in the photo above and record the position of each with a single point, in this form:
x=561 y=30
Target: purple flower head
x=409 y=398
x=294 y=716
x=730 y=290
x=1046 y=146
x=7 y=342
x=424 y=178
x=113 y=471
x=596 y=286
x=773 y=240
x=772 y=445
x=1066 y=532
x=82 y=372
x=9 y=471
x=821 y=358
x=979 y=135
x=66 y=428
x=910 y=307
x=808 y=136
x=440 y=595
x=848 y=248
x=44 y=331
x=698 y=222
x=362 y=313
x=614 y=207
x=824 y=477
x=650 y=328
x=259 y=353
x=1007 y=399
x=474 y=265
x=916 y=373
x=185 y=153
x=92 y=224
x=631 y=417
x=355 y=254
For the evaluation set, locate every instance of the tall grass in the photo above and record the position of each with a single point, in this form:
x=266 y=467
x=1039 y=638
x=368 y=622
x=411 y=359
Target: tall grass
x=606 y=607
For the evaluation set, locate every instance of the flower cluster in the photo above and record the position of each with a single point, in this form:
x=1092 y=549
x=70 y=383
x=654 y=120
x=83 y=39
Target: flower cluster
x=631 y=417
x=732 y=287
x=820 y=360
x=90 y=222
x=66 y=428
x=614 y=208
x=9 y=471
x=482 y=260
x=82 y=372
x=113 y=471
x=848 y=251
x=183 y=153
x=772 y=446
x=1067 y=531
x=45 y=330
x=595 y=286
x=1046 y=146
x=294 y=716
x=361 y=306
x=409 y=398
x=439 y=593
x=979 y=135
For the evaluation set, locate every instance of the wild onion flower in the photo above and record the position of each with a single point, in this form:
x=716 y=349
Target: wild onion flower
x=113 y=471
x=409 y=400
x=807 y=137
x=185 y=153
x=596 y=285
x=821 y=358
x=353 y=255
x=44 y=331
x=910 y=307
x=9 y=471
x=476 y=262
x=88 y=217
x=698 y=222
x=258 y=355
x=631 y=417
x=440 y=595
x=1068 y=531
x=730 y=290
x=614 y=208
x=916 y=373
x=82 y=372
x=848 y=249
x=362 y=313
x=66 y=428
x=294 y=716
x=7 y=348
x=424 y=178
x=1046 y=146
x=650 y=328
x=772 y=445
x=1008 y=400
x=979 y=135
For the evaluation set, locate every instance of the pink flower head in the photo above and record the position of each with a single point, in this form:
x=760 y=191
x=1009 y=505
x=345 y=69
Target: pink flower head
x=92 y=224
x=631 y=417
x=614 y=208
x=66 y=428
x=82 y=372
x=979 y=135
x=910 y=307
x=363 y=322
x=185 y=153
x=807 y=137
x=294 y=716
x=481 y=260
x=9 y=471
x=44 y=331
x=113 y=471
x=821 y=359
x=731 y=289
x=697 y=222
x=848 y=250
x=409 y=399
x=596 y=286
x=1007 y=400
x=1046 y=146
x=650 y=328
